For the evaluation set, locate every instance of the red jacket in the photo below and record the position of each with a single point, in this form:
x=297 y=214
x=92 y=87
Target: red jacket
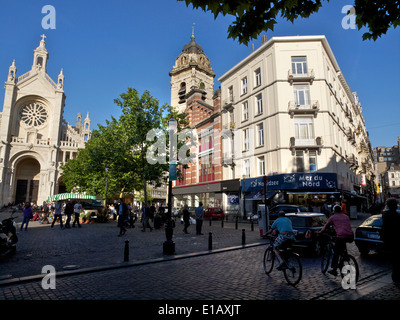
x=341 y=222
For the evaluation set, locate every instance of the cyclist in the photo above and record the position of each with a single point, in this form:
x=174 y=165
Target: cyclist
x=344 y=233
x=286 y=235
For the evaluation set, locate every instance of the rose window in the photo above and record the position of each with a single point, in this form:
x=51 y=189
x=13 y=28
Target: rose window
x=34 y=114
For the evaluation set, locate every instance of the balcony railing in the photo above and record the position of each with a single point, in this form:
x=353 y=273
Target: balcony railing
x=305 y=144
x=312 y=107
x=301 y=77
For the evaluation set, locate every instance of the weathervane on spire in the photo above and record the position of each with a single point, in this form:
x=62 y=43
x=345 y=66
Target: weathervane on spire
x=193 y=31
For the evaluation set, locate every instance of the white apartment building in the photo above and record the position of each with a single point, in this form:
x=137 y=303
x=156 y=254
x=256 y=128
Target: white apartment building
x=289 y=113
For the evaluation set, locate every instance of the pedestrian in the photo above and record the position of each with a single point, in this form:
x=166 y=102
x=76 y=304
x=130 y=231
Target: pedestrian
x=344 y=234
x=69 y=210
x=122 y=216
x=57 y=214
x=146 y=218
x=28 y=213
x=77 y=213
x=391 y=238
x=199 y=212
x=186 y=216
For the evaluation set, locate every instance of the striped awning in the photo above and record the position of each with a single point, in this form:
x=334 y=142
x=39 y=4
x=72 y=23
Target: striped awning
x=66 y=196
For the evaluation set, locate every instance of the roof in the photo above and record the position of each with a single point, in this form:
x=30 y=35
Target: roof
x=192 y=47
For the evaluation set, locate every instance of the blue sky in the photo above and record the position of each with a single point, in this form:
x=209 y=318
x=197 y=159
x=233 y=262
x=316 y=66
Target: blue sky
x=105 y=47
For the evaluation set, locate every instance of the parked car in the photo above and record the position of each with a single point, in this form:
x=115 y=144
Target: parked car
x=369 y=235
x=307 y=226
x=214 y=213
x=287 y=208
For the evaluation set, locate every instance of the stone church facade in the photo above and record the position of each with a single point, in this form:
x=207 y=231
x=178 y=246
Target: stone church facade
x=34 y=137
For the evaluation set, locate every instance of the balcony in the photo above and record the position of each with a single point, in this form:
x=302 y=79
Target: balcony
x=301 y=77
x=312 y=107
x=305 y=144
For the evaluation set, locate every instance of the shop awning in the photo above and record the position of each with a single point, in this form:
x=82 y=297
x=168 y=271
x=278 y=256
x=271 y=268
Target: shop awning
x=72 y=196
x=312 y=192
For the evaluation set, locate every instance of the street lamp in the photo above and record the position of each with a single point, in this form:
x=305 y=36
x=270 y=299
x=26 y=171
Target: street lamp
x=105 y=196
x=169 y=245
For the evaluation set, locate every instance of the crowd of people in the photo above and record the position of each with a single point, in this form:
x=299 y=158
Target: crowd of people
x=52 y=212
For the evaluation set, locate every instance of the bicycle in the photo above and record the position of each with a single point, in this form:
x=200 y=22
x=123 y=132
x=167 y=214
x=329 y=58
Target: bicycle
x=291 y=268
x=345 y=259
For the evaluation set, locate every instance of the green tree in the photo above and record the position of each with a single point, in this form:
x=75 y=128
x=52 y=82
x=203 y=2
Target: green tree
x=121 y=147
x=255 y=16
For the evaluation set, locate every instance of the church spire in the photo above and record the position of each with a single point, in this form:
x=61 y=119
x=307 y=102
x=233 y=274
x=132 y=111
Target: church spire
x=192 y=37
x=40 y=56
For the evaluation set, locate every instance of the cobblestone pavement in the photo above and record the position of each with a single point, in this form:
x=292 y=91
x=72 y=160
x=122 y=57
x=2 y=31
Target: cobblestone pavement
x=219 y=274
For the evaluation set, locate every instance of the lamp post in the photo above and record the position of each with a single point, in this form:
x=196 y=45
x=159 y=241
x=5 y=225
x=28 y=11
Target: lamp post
x=169 y=245
x=105 y=196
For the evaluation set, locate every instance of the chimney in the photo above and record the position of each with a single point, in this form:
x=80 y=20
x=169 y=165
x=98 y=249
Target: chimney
x=264 y=39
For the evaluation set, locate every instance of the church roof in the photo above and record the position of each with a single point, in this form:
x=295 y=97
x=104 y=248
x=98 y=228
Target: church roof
x=192 y=47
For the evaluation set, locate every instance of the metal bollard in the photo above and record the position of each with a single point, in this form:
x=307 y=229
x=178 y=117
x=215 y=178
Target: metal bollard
x=210 y=241
x=222 y=223
x=210 y=221
x=252 y=225
x=126 y=251
x=236 y=222
x=243 y=237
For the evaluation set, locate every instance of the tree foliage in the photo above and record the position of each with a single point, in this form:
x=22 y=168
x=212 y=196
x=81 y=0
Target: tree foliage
x=121 y=146
x=255 y=16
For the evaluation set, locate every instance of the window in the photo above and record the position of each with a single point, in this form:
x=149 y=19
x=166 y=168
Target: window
x=260 y=134
x=244 y=85
x=257 y=75
x=246 y=168
x=230 y=94
x=259 y=104
x=246 y=140
x=304 y=128
x=312 y=160
x=261 y=166
x=299 y=65
x=245 y=111
x=302 y=95
x=299 y=161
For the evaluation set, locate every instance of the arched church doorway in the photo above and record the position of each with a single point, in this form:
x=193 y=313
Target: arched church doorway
x=27 y=180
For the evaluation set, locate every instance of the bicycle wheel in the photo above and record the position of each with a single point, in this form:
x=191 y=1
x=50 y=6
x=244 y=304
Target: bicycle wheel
x=349 y=260
x=269 y=259
x=293 y=270
x=326 y=257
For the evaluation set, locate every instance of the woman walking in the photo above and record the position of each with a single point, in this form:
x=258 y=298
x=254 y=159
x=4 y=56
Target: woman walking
x=28 y=213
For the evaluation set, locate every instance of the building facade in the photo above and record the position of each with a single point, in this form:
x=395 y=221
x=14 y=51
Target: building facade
x=385 y=160
x=34 y=138
x=192 y=93
x=291 y=112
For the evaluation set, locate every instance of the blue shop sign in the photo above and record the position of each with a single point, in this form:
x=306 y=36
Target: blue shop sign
x=303 y=181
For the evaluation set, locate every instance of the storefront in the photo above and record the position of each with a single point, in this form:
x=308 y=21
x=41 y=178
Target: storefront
x=230 y=196
x=207 y=193
x=311 y=189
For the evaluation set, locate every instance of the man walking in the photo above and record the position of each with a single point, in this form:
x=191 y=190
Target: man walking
x=77 y=213
x=57 y=214
x=69 y=210
x=146 y=217
x=199 y=212
x=391 y=238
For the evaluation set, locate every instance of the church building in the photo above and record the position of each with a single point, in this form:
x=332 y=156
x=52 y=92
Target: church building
x=34 y=137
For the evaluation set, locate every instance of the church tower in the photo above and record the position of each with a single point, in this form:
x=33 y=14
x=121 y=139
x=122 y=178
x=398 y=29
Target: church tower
x=192 y=71
x=34 y=137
